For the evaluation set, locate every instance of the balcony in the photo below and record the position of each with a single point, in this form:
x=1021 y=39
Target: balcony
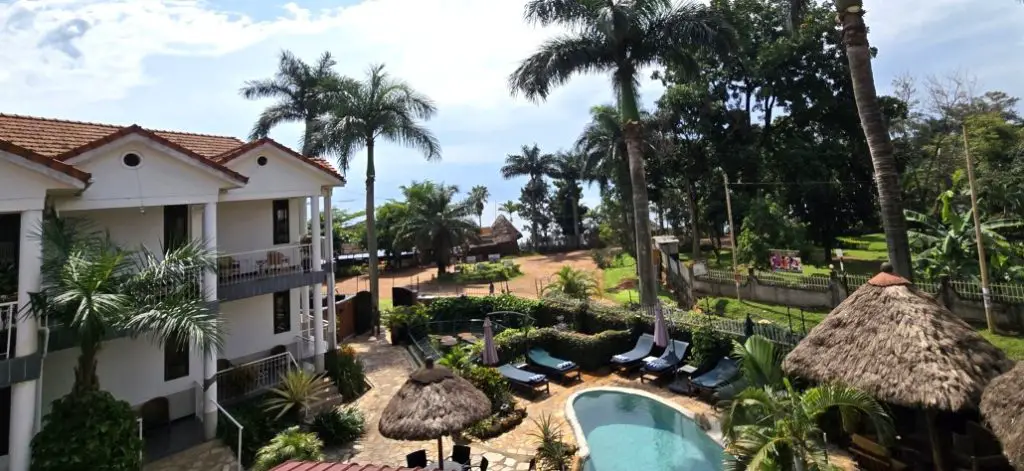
x=247 y=274
x=14 y=369
x=235 y=383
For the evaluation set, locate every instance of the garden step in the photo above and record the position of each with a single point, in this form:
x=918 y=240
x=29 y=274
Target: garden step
x=333 y=399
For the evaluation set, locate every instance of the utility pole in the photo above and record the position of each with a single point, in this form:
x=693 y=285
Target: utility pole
x=982 y=260
x=732 y=235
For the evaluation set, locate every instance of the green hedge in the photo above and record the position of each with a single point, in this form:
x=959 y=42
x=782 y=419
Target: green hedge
x=589 y=351
x=543 y=313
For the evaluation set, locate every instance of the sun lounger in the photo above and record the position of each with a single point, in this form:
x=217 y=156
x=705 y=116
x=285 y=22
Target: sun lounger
x=518 y=377
x=719 y=376
x=643 y=348
x=557 y=366
x=667 y=362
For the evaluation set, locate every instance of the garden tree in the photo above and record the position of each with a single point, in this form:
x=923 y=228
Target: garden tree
x=479 y=194
x=619 y=38
x=345 y=231
x=574 y=283
x=566 y=211
x=380 y=108
x=534 y=200
x=437 y=222
x=766 y=226
x=532 y=163
x=301 y=91
x=568 y=172
x=510 y=207
x=389 y=218
x=604 y=145
x=97 y=289
x=946 y=243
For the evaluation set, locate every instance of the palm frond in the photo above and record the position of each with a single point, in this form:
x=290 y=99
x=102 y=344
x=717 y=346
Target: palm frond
x=558 y=60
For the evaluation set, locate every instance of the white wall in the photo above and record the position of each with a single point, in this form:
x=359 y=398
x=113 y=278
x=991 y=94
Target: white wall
x=21 y=188
x=249 y=325
x=130 y=228
x=162 y=178
x=244 y=226
x=131 y=369
x=283 y=176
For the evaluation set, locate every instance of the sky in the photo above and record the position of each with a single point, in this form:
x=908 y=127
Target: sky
x=178 y=65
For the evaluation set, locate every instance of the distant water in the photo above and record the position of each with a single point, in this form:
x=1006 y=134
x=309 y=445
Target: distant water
x=632 y=432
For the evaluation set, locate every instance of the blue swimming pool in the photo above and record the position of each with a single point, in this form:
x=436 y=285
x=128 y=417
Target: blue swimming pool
x=627 y=431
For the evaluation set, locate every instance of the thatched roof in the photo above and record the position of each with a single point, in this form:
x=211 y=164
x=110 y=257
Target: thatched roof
x=896 y=343
x=1002 y=405
x=432 y=403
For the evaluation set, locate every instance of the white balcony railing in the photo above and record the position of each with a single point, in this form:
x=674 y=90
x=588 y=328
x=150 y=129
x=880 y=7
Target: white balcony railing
x=188 y=285
x=244 y=380
x=7 y=252
x=8 y=316
x=261 y=264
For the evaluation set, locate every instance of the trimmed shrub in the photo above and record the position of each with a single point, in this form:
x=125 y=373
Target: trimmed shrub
x=259 y=427
x=290 y=444
x=346 y=372
x=464 y=308
x=590 y=352
x=485 y=272
x=339 y=425
x=88 y=430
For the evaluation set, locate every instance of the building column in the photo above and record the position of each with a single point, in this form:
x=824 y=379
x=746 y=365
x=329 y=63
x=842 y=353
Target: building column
x=332 y=314
x=318 y=287
x=23 y=394
x=303 y=290
x=210 y=356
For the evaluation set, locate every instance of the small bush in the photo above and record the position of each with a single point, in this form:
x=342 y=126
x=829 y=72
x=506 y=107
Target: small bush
x=405 y=316
x=258 y=428
x=494 y=386
x=297 y=392
x=707 y=345
x=496 y=424
x=552 y=451
x=346 y=371
x=290 y=444
x=338 y=426
x=88 y=430
x=604 y=258
x=485 y=272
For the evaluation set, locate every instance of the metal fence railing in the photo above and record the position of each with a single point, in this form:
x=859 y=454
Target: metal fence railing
x=793 y=280
x=245 y=380
x=1000 y=292
x=266 y=263
x=8 y=316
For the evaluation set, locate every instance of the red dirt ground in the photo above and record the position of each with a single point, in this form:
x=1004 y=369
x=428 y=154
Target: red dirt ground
x=536 y=270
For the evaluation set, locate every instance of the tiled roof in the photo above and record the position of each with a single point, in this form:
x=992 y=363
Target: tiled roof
x=63 y=139
x=323 y=466
x=44 y=161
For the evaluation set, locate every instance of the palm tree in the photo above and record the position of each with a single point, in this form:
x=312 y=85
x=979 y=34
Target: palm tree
x=97 y=289
x=301 y=91
x=604 y=145
x=437 y=222
x=530 y=162
x=569 y=168
x=767 y=428
x=509 y=207
x=621 y=37
x=577 y=284
x=479 y=194
x=380 y=108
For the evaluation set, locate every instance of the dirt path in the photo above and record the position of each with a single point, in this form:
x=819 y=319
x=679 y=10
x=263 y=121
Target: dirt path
x=536 y=269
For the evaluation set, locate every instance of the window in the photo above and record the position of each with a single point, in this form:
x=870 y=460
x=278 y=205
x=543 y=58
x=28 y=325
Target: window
x=282 y=312
x=131 y=160
x=261 y=161
x=175 y=226
x=282 y=234
x=176 y=361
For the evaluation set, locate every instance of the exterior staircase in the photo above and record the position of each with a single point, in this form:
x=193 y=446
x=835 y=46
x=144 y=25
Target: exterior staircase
x=210 y=456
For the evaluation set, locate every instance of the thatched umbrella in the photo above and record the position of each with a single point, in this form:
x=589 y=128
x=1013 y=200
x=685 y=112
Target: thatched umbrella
x=898 y=344
x=1002 y=405
x=432 y=403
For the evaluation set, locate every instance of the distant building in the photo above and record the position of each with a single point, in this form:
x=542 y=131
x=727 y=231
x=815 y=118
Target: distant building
x=501 y=238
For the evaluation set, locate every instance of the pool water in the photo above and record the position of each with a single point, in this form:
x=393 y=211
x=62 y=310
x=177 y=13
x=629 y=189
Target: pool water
x=632 y=432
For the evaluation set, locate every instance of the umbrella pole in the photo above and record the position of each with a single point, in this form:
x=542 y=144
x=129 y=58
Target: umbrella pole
x=440 y=453
x=933 y=437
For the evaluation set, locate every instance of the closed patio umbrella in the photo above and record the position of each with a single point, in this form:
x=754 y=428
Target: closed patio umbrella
x=432 y=403
x=898 y=344
x=660 y=328
x=1002 y=405
x=490 y=354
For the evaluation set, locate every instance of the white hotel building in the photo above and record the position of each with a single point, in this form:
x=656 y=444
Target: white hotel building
x=247 y=201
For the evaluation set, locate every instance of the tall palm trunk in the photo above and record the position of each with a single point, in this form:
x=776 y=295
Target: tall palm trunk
x=576 y=220
x=85 y=372
x=307 y=136
x=625 y=190
x=371 y=237
x=691 y=201
x=634 y=149
x=855 y=36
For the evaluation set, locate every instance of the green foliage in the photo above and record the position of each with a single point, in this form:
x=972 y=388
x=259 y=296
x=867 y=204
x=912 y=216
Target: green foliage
x=298 y=390
x=458 y=360
x=88 y=430
x=779 y=428
x=466 y=307
x=590 y=352
x=494 y=386
x=290 y=444
x=765 y=227
x=437 y=222
x=258 y=427
x=707 y=345
x=760 y=362
x=346 y=371
x=339 y=425
x=573 y=283
x=603 y=258
x=485 y=272
x=413 y=316
x=552 y=450
x=350 y=270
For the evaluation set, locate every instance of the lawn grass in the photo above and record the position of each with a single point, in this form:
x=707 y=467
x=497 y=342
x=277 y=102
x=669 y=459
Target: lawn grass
x=1013 y=346
x=779 y=315
x=622 y=270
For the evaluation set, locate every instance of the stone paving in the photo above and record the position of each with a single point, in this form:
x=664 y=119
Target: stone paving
x=210 y=456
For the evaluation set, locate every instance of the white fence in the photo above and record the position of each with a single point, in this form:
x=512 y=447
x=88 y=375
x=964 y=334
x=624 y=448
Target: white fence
x=245 y=380
x=260 y=264
x=8 y=317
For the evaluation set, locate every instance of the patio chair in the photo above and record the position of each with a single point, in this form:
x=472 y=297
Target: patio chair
x=643 y=348
x=416 y=459
x=460 y=454
x=483 y=464
x=276 y=261
x=719 y=376
x=228 y=267
x=556 y=366
x=667 y=362
x=525 y=379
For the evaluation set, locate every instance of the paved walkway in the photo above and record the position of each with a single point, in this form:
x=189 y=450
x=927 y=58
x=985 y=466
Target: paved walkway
x=210 y=456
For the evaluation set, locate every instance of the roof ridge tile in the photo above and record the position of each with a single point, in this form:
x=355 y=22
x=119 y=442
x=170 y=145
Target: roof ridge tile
x=117 y=126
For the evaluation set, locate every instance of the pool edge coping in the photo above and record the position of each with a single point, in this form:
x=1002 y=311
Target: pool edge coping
x=583 y=452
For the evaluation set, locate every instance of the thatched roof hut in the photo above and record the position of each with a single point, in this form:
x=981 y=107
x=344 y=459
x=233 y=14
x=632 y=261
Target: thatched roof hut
x=898 y=344
x=1002 y=405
